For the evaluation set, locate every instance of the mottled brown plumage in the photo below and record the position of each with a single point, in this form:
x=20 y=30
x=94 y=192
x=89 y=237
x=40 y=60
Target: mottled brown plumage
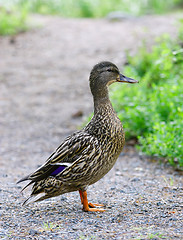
x=86 y=156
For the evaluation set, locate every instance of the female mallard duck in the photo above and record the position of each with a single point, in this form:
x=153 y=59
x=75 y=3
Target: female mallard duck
x=87 y=155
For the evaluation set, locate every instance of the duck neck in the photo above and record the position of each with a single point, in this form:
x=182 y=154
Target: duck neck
x=101 y=99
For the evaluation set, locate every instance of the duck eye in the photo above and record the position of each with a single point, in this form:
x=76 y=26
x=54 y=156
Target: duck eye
x=110 y=70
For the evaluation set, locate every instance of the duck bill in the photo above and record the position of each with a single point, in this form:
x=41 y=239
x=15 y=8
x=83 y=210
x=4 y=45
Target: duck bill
x=123 y=78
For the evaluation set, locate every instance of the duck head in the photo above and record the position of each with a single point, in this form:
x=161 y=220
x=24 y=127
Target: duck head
x=104 y=74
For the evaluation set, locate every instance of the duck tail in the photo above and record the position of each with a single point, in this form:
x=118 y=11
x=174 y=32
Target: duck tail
x=23 y=179
x=26 y=186
x=34 y=198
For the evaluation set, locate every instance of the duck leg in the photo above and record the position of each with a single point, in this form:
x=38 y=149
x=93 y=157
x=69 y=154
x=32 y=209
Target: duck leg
x=89 y=207
x=92 y=205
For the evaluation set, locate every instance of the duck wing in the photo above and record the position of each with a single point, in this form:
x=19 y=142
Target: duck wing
x=74 y=148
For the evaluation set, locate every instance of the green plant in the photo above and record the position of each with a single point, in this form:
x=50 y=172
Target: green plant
x=153 y=111
x=155 y=236
x=12 y=21
x=98 y=8
x=48 y=226
x=84 y=237
x=169 y=182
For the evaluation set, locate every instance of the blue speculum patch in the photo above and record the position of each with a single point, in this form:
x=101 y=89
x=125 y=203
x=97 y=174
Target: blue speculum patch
x=58 y=170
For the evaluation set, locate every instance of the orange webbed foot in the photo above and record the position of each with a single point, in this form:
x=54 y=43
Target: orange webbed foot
x=89 y=207
x=93 y=209
x=93 y=205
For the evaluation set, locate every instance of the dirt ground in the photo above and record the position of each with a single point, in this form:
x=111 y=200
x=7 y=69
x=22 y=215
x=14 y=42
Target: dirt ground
x=44 y=96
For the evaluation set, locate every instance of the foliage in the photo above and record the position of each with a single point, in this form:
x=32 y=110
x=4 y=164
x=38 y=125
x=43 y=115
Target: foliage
x=98 y=8
x=13 y=13
x=152 y=111
x=12 y=21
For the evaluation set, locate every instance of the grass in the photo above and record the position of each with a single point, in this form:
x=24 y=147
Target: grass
x=48 y=226
x=100 y=8
x=97 y=8
x=148 y=235
x=156 y=236
x=169 y=182
x=13 y=20
x=152 y=111
x=13 y=13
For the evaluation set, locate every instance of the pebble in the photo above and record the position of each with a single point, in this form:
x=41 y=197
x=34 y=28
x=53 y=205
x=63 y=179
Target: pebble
x=33 y=232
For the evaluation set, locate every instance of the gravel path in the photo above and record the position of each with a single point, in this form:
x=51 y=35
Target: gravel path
x=44 y=96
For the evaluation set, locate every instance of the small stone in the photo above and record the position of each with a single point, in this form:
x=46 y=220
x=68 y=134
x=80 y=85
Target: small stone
x=121 y=191
x=33 y=232
x=77 y=114
x=173 y=219
x=135 y=180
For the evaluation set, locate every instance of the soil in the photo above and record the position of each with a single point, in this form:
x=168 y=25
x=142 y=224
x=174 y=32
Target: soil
x=44 y=96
